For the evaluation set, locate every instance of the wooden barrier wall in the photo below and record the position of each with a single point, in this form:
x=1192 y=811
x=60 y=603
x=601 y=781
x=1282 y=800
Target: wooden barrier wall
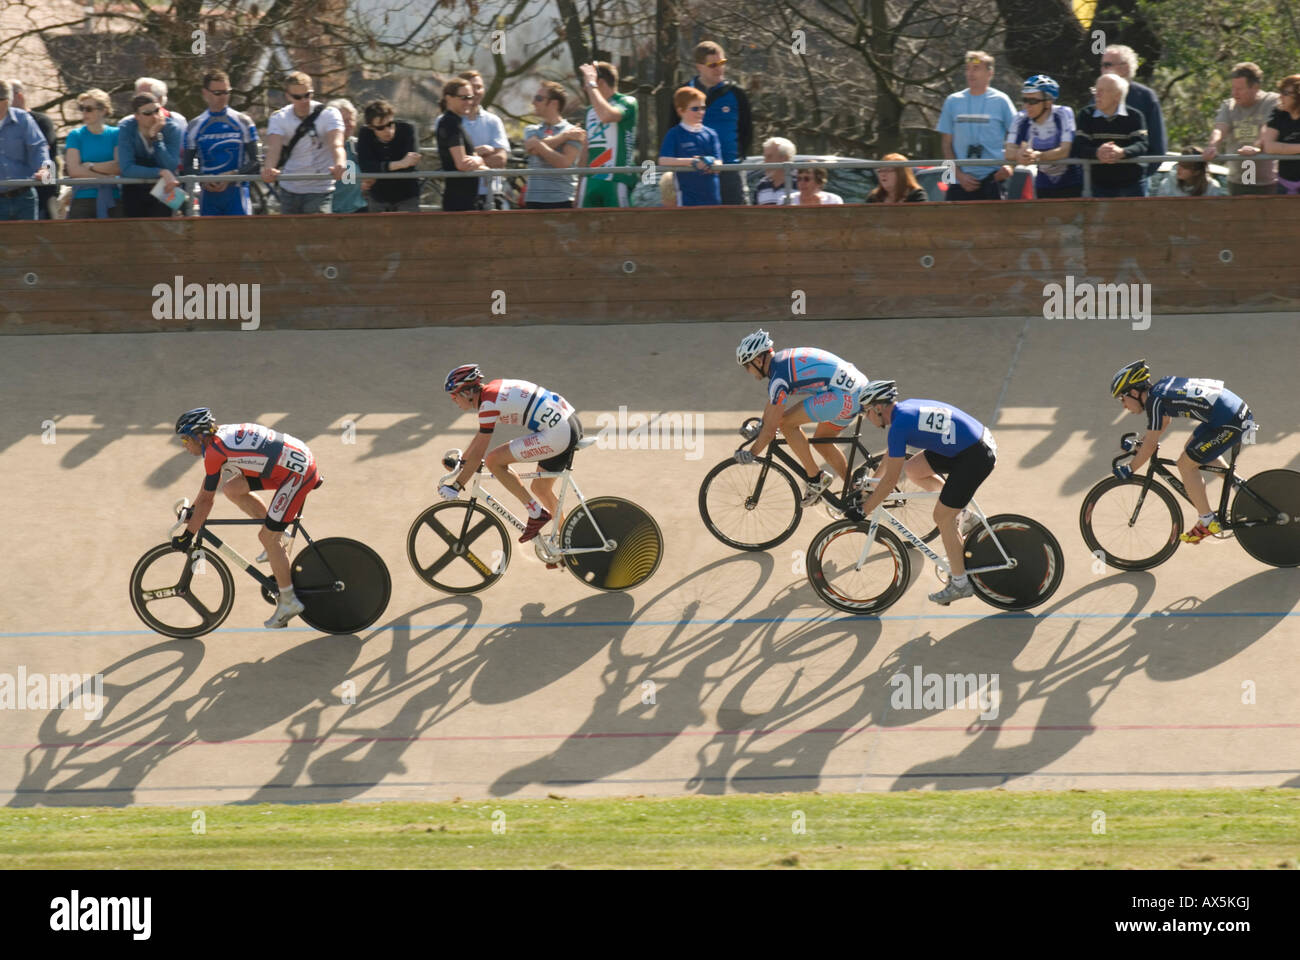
x=651 y=265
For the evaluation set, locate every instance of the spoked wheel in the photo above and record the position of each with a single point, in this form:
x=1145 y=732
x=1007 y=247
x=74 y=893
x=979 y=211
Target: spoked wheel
x=915 y=514
x=1135 y=528
x=342 y=583
x=750 y=506
x=179 y=596
x=1039 y=563
x=1263 y=497
x=631 y=563
x=458 y=547
x=833 y=570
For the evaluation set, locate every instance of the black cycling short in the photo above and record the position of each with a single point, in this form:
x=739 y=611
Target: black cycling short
x=561 y=460
x=966 y=471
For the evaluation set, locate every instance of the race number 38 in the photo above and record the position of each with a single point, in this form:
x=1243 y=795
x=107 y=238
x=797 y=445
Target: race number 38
x=843 y=380
x=294 y=460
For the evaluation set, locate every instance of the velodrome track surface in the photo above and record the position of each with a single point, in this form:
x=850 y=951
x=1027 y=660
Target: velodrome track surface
x=537 y=684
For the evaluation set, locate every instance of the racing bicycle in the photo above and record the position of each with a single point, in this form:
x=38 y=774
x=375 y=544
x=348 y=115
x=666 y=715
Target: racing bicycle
x=463 y=546
x=1134 y=524
x=861 y=566
x=343 y=585
x=757 y=506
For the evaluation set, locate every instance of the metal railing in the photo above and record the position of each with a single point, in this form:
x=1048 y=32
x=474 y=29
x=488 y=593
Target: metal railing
x=648 y=171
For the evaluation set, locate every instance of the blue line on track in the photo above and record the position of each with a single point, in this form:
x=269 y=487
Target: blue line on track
x=758 y=621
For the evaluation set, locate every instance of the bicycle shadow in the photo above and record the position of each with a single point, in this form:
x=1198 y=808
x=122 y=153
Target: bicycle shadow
x=1073 y=687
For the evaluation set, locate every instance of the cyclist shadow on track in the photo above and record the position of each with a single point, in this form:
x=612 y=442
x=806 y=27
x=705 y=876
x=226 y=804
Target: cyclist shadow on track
x=1074 y=685
x=508 y=663
x=682 y=644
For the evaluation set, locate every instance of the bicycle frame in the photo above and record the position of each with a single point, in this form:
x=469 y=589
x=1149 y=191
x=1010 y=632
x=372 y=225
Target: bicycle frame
x=881 y=515
x=1159 y=467
x=477 y=490
x=776 y=450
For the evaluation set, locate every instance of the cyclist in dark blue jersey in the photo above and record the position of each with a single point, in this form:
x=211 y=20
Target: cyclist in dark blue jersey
x=221 y=140
x=1224 y=417
x=950 y=441
x=834 y=387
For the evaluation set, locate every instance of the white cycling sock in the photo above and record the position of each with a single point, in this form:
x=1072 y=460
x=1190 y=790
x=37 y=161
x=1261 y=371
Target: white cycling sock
x=1206 y=518
x=960 y=581
x=534 y=509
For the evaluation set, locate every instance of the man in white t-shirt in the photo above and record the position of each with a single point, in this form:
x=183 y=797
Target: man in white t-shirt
x=319 y=149
x=488 y=134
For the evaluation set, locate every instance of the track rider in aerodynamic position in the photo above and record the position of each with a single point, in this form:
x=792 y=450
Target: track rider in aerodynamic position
x=264 y=460
x=555 y=430
x=1224 y=420
x=835 y=386
x=950 y=441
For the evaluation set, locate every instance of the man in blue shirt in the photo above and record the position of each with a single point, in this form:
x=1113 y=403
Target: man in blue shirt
x=24 y=155
x=692 y=144
x=727 y=113
x=974 y=125
x=950 y=441
x=148 y=145
x=221 y=140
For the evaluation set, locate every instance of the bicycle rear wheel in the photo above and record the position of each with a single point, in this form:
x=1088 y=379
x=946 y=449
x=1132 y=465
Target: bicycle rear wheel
x=750 y=506
x=1131 y=530
x=1277 y=544
x=444 y=559
x=631 y=563
x=1039 y=563
x=833 y=572
x=319 y=570
x=181 y=597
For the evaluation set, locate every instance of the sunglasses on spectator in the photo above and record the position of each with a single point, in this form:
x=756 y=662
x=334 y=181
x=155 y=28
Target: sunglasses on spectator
x=1033 y=99
x=976 y=61
x=383 y=126
x=462 y=96
x=542 y=98
x=149 y=113
x=224 y=93
x=301 y=96
x=85 y=107
x=716 y=63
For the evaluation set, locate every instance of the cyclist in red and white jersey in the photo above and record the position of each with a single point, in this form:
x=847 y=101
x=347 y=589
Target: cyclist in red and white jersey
x=553 y=428
x=265 y=460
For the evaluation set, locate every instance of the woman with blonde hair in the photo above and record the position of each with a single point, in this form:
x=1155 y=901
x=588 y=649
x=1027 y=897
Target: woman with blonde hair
x=897 y=184
x=91 y=151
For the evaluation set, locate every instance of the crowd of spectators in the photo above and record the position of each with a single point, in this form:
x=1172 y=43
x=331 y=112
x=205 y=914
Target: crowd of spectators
x=1122 y=121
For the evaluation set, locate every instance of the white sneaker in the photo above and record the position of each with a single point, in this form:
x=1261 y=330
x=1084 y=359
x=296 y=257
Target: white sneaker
x=288 y=607
x=953 y=592
x=285 y=542
x=813 y=491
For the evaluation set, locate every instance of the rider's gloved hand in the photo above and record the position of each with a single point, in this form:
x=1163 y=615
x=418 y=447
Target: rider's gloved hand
x=448 y=492
x=1129 y=443
x=182 y=541
x=1123 y=471
x=743 y=455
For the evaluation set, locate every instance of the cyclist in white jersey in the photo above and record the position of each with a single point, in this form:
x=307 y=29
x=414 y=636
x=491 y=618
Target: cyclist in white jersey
x=554 y=431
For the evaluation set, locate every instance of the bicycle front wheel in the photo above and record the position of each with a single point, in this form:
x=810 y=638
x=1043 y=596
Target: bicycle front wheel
x=836 y=576
x=631 y=563
x=179 y=596
x=1131 y=529
x=750 y=506
x=1277 y=544
x=915 y=514
x=1039 y=563
x=452 y=561
x=344 y=586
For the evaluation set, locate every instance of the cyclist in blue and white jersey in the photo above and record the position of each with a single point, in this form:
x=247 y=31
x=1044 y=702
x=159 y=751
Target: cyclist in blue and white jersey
x=950 y=441
x=221 y=140
x=1224 y=417
x=834 y=386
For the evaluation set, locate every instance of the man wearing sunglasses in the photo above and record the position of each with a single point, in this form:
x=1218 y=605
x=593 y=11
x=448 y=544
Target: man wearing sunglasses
x=221 y=140
x=23 y=155
x=973 y=126
x=552 y=143
x=1042 y=134
x=311 y=134
x=148 y=146
x=386 y=145
x=727 y=113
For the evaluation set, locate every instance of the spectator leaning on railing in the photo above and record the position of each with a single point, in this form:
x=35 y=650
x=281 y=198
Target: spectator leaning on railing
x=310 y=134
x=23 y=156
x=1109 y=132
x=1123 y=61
x=896 y=184
x=1238 y=124
x=148 y=145
x=221 y=140
x=810 y=181
x=1043 y=133
x=45 y=196
x=455 y=148
x=973 y=125
x=554 y=143
x=89 y=151
x=770 y=190
x=348 y=189
x=159 y=89
x=1281 y=134
x=387 y=145
x=727 y=114
x=488 y=134
x=694 y=147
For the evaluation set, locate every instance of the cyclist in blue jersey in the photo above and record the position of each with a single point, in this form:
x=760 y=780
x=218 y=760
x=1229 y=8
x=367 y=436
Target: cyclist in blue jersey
x=1224 y=420
x=950 y=441
x=834 y=386
x=221 y=140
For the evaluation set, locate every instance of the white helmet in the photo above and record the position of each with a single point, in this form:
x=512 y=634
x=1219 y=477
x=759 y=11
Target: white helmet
x=879 y=391
x=754 y=345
